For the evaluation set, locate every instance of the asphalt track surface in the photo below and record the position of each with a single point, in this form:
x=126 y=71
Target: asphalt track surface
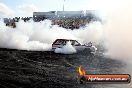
x=39 y=69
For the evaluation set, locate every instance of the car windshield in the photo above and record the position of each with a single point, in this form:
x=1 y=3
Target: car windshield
x=74 y=42
x=59 y=42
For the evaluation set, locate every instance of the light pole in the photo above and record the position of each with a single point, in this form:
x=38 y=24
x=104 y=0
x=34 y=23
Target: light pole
x=64 y=5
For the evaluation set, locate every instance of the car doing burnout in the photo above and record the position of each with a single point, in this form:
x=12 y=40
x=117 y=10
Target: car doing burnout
x=59 y=43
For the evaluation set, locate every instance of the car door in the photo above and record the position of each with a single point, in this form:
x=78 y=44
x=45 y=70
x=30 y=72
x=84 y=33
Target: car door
x=78 y=46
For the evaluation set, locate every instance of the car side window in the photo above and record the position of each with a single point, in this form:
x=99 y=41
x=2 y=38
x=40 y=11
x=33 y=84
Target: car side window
x=72 y=42
x=59 y=42
x=64 y=42
x=76 y=43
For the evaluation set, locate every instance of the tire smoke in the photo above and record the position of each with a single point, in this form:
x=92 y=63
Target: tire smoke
x=39 y=36
x=118 y=32
x=67 y=49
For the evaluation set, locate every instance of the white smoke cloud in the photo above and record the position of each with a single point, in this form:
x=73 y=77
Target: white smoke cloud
x=19 y=38
x=118 y=29
x=92 y=32
x=67 y=49
x=40 y=35
x=5 y=10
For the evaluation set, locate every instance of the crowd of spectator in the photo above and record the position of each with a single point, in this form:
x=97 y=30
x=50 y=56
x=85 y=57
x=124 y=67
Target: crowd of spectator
x=12 y=22
x=68 y=23
x=71 y=23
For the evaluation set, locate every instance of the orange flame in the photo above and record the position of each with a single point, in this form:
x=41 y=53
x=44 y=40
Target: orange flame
x=81 y=71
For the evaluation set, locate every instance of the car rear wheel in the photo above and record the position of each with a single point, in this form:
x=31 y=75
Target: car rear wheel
x=87 y=51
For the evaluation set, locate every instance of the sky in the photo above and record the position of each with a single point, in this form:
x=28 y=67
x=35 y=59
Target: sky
x=27 y=7
x=46 y=4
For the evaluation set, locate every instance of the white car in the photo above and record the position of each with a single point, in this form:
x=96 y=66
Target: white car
x=59 y=43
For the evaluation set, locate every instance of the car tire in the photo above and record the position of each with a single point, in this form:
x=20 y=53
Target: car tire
x=87 y=51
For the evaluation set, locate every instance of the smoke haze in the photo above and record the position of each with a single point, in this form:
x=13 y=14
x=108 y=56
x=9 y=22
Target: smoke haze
x=118 y=32
x=67 y=49
x=40 y=36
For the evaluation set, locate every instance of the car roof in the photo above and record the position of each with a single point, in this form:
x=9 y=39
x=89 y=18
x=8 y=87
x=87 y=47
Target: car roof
x=66 y=39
